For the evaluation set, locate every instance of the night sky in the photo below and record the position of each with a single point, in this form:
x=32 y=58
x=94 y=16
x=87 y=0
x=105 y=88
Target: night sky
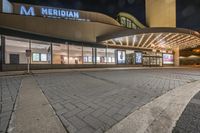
x=188 y=11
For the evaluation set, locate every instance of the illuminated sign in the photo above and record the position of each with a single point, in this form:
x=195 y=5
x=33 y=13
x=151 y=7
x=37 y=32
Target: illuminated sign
x=121 y=57
x=168 y=59
x=49 y=12
x=27 y=12
x=138 y=57
x=59 y=13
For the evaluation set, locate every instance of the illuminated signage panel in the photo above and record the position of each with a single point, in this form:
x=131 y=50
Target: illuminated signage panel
x=121 y=56
x=49 y=12
x=138 y=57
x=168 y=59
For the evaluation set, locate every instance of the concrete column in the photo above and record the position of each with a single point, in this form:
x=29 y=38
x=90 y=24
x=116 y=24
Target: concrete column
x=2 y=52
x=176 y=57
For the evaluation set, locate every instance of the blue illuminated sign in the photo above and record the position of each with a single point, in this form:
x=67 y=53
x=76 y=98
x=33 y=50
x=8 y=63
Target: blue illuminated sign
x=59 y=13
x=50 y=12
x=27 y=12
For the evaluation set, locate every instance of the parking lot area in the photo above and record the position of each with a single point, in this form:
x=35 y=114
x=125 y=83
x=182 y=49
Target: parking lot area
x=94 y=101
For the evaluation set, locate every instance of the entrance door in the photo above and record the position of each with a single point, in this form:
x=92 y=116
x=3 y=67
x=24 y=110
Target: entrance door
x=152 y=61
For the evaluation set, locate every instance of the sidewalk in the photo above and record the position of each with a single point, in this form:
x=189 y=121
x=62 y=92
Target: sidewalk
x=33 y=113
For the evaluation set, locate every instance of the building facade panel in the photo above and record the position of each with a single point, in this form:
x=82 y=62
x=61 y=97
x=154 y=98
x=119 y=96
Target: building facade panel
x=71 y=30
x=161 y=13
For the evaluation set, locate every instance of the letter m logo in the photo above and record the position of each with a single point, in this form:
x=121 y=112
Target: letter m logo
x=29 y=12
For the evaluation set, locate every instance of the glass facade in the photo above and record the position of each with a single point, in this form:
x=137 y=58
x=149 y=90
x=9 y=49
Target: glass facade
x=101 y=56
x=111 y=56
x=75 y=54
x=88 y=55
x=130 y=57
x=152 y=59
x=41 y=52
x=60 y=53
x=15 y=50
x=70 y=53
x=127 y=23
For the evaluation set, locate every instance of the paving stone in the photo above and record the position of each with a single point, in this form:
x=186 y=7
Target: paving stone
x=81 y=106
x=78 y=123
x=118 y=117
x=99 y=112
x=94 y=122
x=69 y=106
x=61 y=111
x=112 y=111
x=107 y=96
x=85 y=112
x=71 y=113
x=107 y=120
x=86 y=130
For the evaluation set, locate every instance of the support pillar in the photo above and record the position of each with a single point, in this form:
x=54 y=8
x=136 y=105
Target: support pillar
x=2 y=52
x=176 y=57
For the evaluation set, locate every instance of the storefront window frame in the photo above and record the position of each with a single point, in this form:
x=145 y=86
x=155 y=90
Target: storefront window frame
x=41 y=62
x=4 y=49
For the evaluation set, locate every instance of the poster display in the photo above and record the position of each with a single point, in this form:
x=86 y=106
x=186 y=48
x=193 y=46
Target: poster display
x=43 y=57
x=168 y=59
x=36 y=57
x=138 y=57
x=121 y=57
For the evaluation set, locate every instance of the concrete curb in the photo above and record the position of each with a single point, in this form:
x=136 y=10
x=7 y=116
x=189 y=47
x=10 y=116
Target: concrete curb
x=161 y=114
x=15 y=73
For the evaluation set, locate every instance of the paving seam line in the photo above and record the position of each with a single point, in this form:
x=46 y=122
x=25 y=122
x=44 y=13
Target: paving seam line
x=10 y=126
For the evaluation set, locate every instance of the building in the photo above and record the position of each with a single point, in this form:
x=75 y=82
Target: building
x=66 y=38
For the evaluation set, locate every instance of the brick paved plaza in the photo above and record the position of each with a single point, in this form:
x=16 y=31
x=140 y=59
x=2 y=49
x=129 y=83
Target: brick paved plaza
x=94 y=101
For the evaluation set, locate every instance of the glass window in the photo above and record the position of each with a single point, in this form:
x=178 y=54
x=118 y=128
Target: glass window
x=101 y=56
x=60 y=53
x=123 y=21
x=41 y=52
x=15 y=50
x=87 y=55
x=129 y=23
x=75 y=54
x=111 y=56
x=130 y=57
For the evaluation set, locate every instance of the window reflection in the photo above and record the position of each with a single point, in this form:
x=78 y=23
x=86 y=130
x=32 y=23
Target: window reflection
x=15 y=50
x=75 y=54
x=101 y=56
x=41 y=52
x=88 y=55
x=60 y=53
x=111 y=56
